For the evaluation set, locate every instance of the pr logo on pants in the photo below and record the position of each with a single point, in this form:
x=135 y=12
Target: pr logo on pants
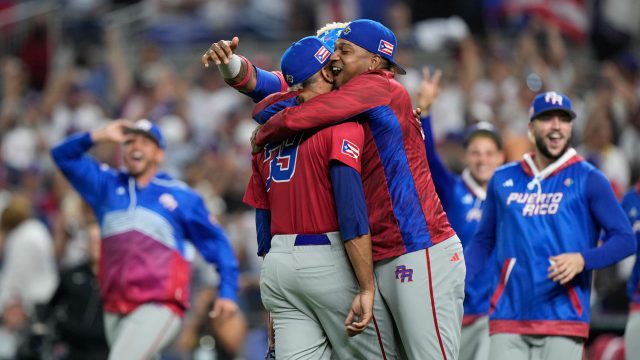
x=402 y=273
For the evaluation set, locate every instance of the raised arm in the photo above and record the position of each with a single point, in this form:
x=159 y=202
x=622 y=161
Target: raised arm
x=83 y=172
x=239 y=73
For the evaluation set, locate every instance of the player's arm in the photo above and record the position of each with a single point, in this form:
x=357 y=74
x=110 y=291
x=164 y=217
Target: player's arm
x=256 y=196
x=618 y=239
x=484 y=241
x=213 y=243
x=634 y=220
x=82 y=171
x=362 y=93
x=239 y=73
x=354 y=228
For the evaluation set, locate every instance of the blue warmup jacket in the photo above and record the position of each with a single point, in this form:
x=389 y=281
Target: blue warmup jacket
x=145 y=233
x=462 y=199
x=631 y=205
x=532 y=215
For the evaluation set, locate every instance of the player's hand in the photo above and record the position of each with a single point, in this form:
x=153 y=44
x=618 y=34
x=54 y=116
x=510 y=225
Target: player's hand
x=429 y=88
x=113 y=132
x=220 y=52
x=565 y=267
x=223 y=308
x=255 y=149
x=360 y=314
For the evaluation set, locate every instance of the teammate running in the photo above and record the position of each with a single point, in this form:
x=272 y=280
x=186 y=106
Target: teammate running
x=462 y=198
x=145 y=219
x=307 y=281
x=631 y=205
x=419 y=264
x=543 y=215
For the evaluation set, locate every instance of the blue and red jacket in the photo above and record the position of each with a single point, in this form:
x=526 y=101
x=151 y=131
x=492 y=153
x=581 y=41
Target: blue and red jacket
x=631 y=205
x=146 y=233
x=530 y=216
x=405 y=214
x=462 y=199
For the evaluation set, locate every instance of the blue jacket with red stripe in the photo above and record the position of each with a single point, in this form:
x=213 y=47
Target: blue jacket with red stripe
x=405 y=213
x=532 y=215
x=146 y=255
x=462 y=199
x=631 y=205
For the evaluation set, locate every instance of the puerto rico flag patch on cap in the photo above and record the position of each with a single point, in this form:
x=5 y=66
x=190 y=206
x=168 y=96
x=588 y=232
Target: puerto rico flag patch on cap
x=385 y=47
x=322 y=54
x=350 y=149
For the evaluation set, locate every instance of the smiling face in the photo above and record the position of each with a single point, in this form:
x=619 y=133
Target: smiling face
x=349 y=60
x=551 y=132
x=483 y=157
x=142 y=156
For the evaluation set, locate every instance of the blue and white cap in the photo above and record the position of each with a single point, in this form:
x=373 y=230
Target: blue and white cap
x=304 y=58
x=150 y=130
x=550 y=101
x=373 y=37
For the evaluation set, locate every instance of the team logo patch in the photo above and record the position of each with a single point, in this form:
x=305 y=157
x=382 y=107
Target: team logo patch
x=553 y=97
x=289 y=78
x=404 y=274
x=568 y=182
x=347 y=30
x=350 y=149
x=322 y=54
x=508 y=183
x=385 y=47
x=168 y=201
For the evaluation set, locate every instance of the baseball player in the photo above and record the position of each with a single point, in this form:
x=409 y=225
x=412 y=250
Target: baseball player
x=631 y=205
x=462 y=198
x=307 y=281
x=419 y=264
x=145 y=219
x=543 y=215
x=239 y=73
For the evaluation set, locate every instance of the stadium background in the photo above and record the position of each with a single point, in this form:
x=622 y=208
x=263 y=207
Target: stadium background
x=70 y=65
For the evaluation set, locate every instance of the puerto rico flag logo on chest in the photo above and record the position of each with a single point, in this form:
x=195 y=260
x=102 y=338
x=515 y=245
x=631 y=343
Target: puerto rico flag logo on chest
x=322 y=54
x=350 y=149
x=385 y=47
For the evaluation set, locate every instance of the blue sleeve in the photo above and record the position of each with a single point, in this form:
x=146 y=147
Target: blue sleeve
x=350 y=203
x=81 y=170
x=443 y=179
x=484 y=241
x=263 y=228
x=619 y=241
x=632 y=283
x=212 y=242
x=267 y=83
x=266 y=114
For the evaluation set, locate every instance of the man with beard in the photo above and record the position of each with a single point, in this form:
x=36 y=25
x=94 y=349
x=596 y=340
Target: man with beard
x=149 y=224
x=543 y=215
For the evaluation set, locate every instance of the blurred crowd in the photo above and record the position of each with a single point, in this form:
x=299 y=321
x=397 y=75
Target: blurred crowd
x=89 y=67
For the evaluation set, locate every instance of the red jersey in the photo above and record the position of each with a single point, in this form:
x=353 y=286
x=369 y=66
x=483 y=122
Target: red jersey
x=405 y=213
x=292 y=178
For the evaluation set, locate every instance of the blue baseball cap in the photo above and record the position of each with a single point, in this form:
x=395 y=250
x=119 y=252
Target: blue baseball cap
x=329 y=37
x=304 y=58
x=148 y=129
x=550 y=101
x=482 y=128
x=373 y=37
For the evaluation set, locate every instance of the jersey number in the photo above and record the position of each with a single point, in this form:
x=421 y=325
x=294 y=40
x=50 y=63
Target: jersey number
x=282 y=160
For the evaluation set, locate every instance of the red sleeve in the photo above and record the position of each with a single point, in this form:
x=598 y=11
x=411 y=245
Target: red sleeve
x=256 y=194
x=347 y=142
x=272 y=99
x=362 y=93
x=283 y=83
